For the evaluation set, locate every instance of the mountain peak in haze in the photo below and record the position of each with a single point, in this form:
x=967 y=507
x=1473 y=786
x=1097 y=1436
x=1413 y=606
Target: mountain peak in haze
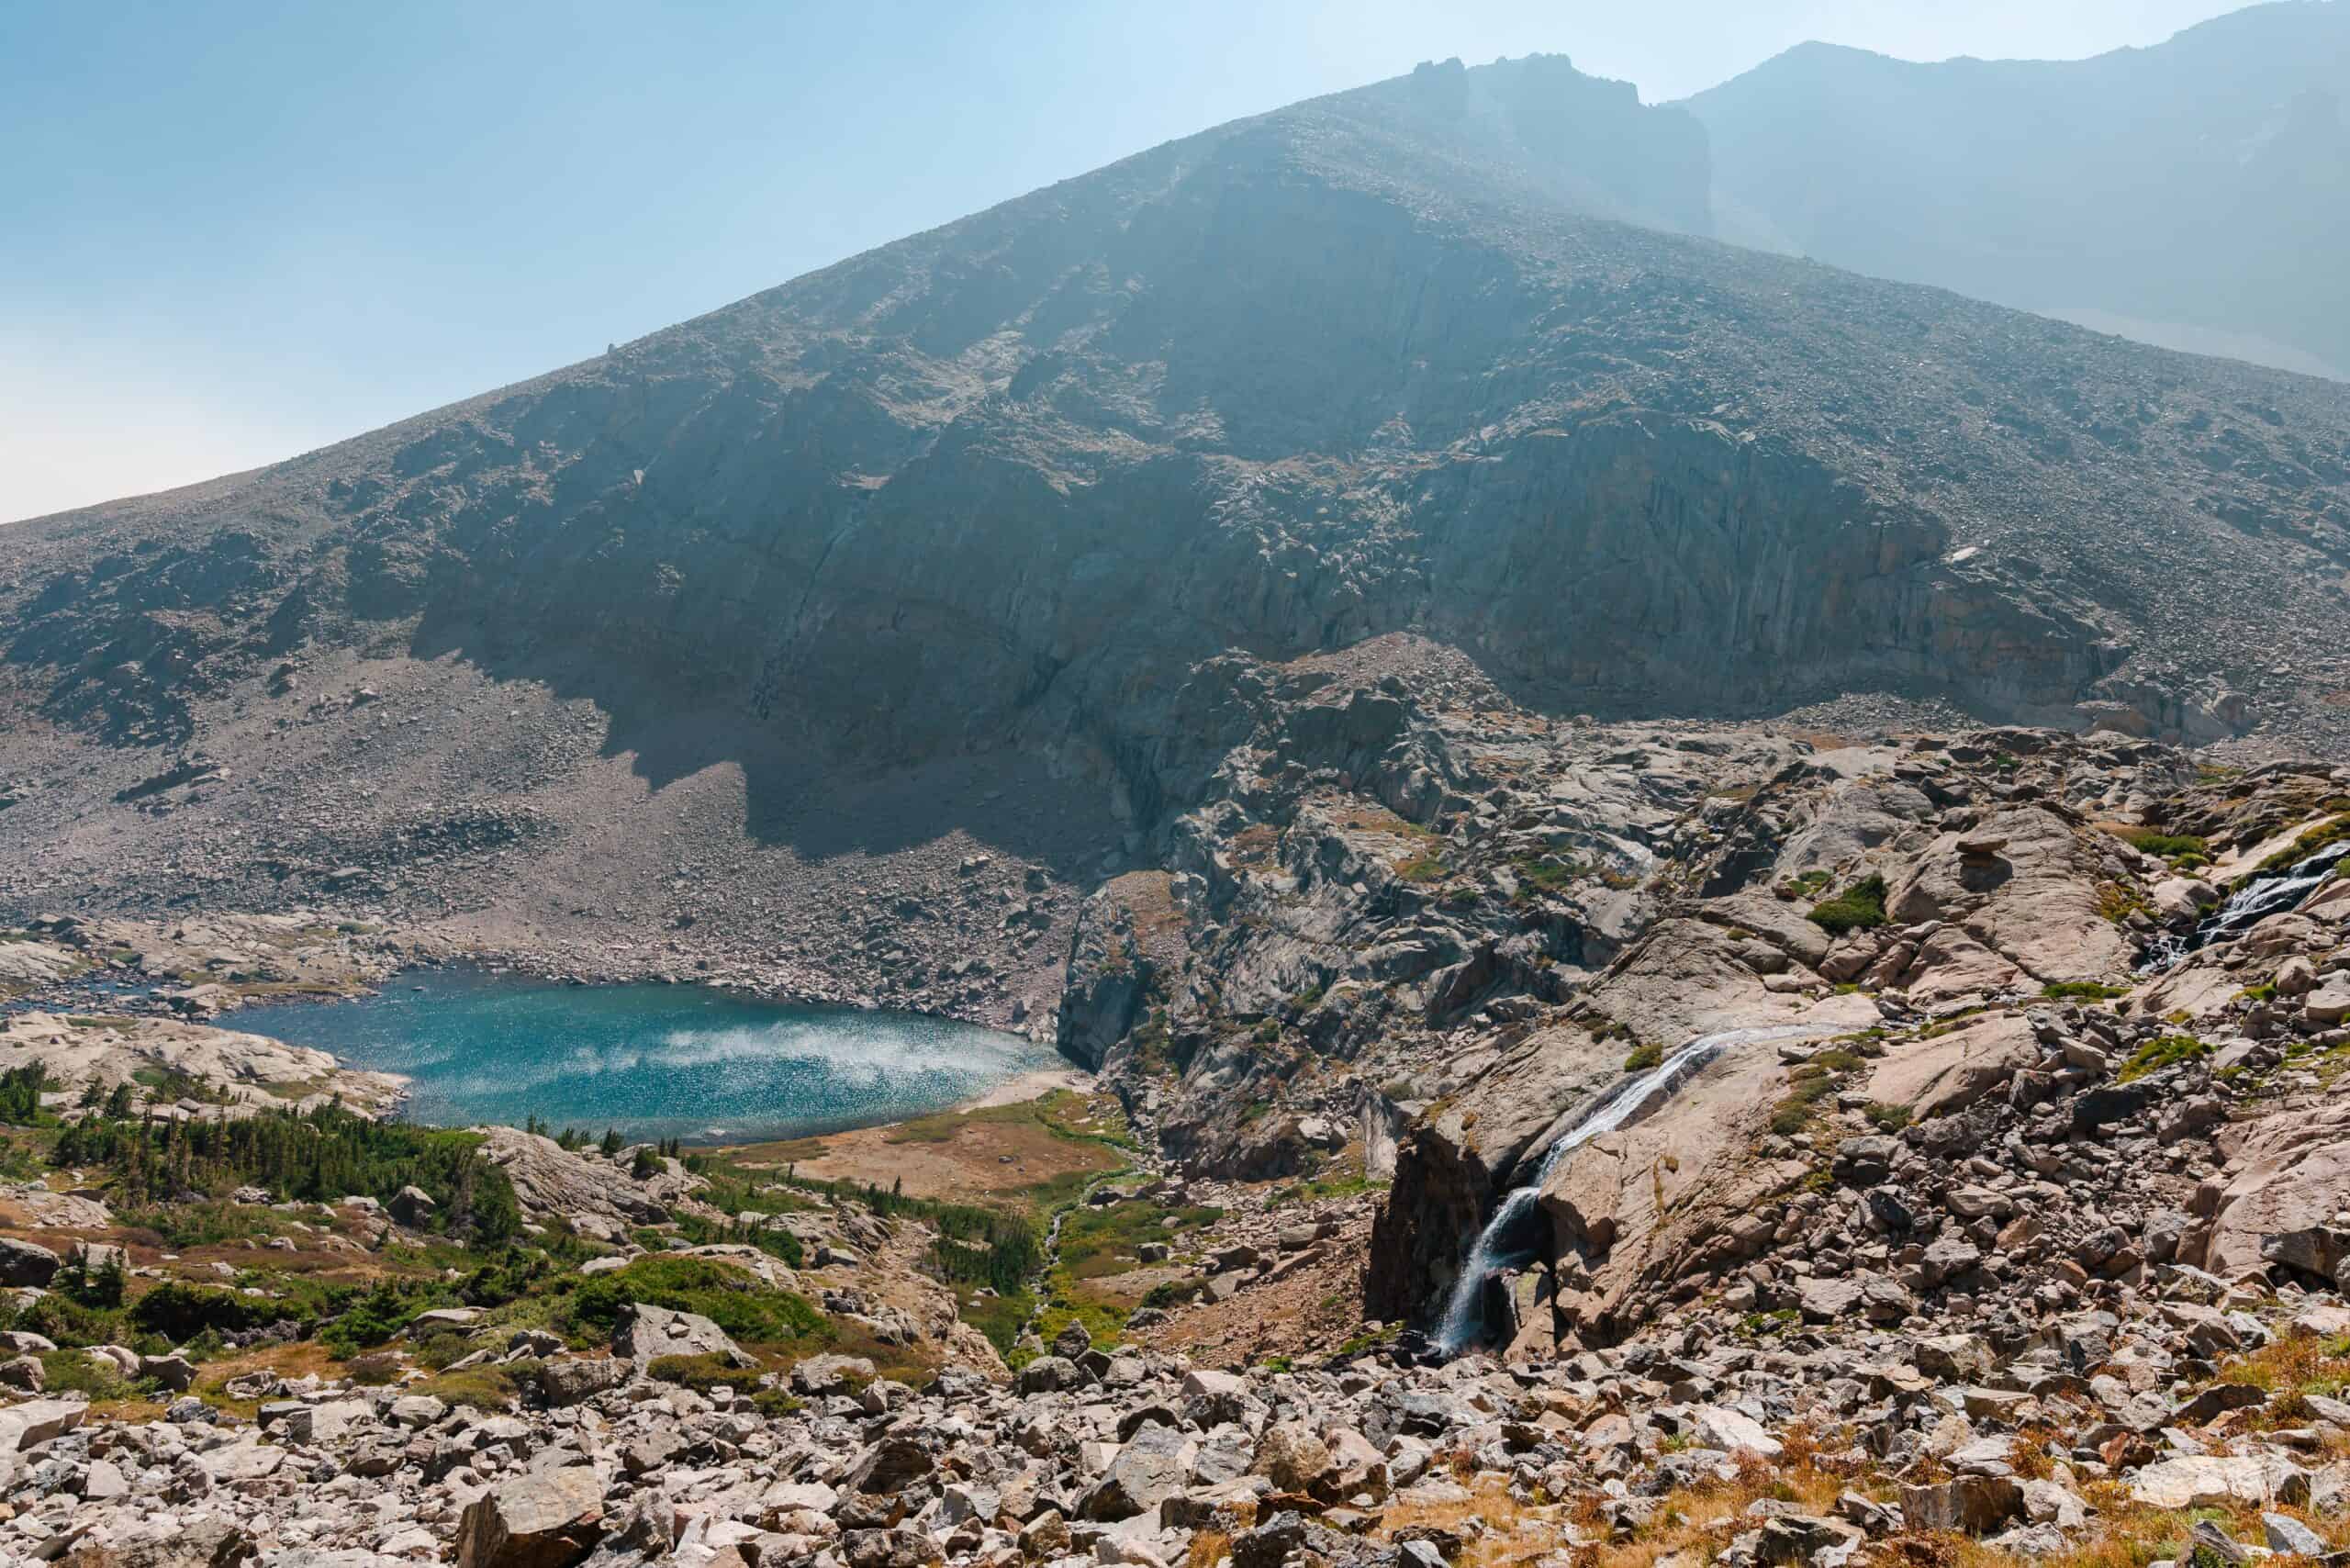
x=2182 y=193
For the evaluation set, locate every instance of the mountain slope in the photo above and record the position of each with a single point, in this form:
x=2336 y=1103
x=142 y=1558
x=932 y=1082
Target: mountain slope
x=2182 y=192
x=1362 y=365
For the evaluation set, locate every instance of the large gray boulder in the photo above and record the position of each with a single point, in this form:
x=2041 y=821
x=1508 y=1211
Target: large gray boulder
x=1151 y=1467
x=533 y=1521
x=25 y=1263
x=570 y=1379
x=36 y=1421
x=2199 y=1481
x=646 y=1333
x=2287 y=1176
x=1969 y=1504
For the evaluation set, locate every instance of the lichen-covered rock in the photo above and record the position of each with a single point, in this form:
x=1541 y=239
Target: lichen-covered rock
x=533 y=1521
x=646 y=1333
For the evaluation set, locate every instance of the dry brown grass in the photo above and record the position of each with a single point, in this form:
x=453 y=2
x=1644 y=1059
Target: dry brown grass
x=1512 y=1531
x=2120 y=1534
x=1367 y=817
x=2294 y=1364
x=1254 y=845
x=1209 y=1547
x=307 y=1359
x=2029 y=1452
x=1698 y=1520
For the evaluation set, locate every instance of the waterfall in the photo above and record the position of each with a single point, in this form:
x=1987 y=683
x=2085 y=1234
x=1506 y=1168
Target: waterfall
x=2254 y=902
x=1613 y=1107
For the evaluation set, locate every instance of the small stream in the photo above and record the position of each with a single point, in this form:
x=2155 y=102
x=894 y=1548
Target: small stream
x=2252 y=904
x=1501 y=1245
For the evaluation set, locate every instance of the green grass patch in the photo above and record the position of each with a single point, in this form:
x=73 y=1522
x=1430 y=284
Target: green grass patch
x=1096 y=1247
x=1169 y=1293
x=2118 y=903
x=78 y=1372
x=1061 y=1112
x=729 y=1297
x=702 y=1373
x=2311 y=841
x=1644 y=1058
x=1343 y=1181
x=479 y=1388
x=2082 y=990
x=1860 y=907
x=2164 y=1050
x=2167 y=846
x=1000 y=1316
x=1427 y=868
x=1795 y=1109
x=1544 y=874
x=1099 y=1242
x=1808 y=1083
x=1957 y=1020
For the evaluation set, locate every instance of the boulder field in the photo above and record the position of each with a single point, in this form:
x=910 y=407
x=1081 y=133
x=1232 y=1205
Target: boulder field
x=1537 y=1139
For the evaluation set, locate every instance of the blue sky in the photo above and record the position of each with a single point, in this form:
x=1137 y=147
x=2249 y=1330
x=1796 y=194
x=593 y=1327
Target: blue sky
x=231 y=232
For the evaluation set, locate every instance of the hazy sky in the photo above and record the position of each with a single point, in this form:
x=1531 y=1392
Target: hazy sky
x=233 y=231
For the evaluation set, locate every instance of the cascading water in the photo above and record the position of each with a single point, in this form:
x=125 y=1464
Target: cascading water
x=2252 y=903
x=1496 y=1248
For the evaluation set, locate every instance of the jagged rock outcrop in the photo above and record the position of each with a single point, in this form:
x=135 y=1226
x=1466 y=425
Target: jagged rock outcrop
x=2283 y=1198
x=238 y=1072
x=593 y=1194
x=1986 y=884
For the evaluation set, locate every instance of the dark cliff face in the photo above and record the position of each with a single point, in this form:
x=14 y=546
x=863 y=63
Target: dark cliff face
x=2186 y=186
x=1362 y=365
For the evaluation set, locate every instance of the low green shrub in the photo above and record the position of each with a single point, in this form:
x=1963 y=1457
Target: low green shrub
x=79 y=1372
x=1860 y=907
x=1171 y=1294
x=375 y=1317
x=2163 y=1051
x=702 y=1373
x=178 y=1311
x=2168 y=845
x=2082 y=990
x=726 y=1295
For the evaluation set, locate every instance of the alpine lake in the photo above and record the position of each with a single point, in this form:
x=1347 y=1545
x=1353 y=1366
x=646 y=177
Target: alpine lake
x=651 y=1061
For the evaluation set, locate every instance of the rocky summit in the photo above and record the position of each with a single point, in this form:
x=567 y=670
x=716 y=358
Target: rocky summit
x=1694 y=905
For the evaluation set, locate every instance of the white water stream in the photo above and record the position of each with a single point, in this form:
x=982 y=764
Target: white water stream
x=2252 y=904
x=1614 y=1107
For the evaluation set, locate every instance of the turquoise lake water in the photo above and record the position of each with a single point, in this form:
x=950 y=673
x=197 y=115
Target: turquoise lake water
x=651 y=1061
